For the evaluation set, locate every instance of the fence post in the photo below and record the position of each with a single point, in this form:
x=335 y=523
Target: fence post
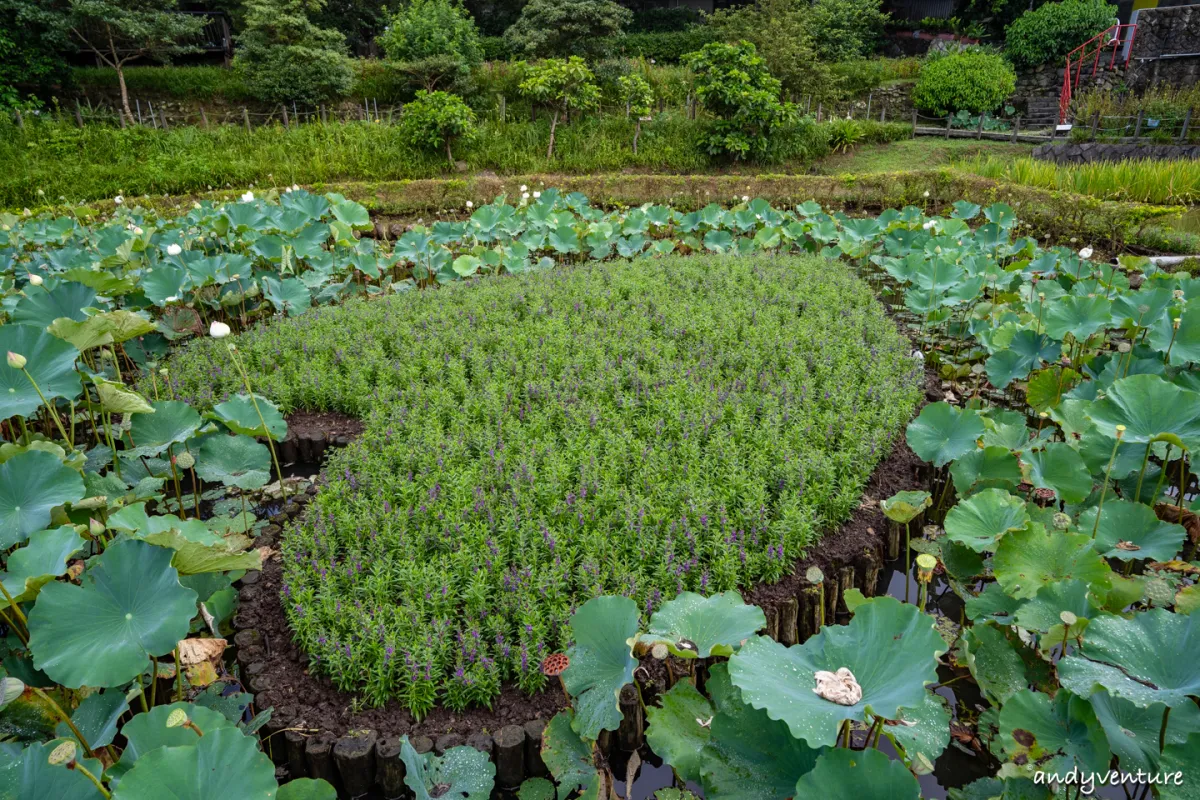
x=1095 y=124
x=321 y=110
x=246 y=118
x=949 y=119
x=818 y=111
x=870 y=95
x=1016 y=127
x=153 y=118
x=883 y=113
x=375 y=103
x=1187 y=122
x=138 y=103
x=979 y=128
x=503 y=108
x=287 y=122
x=78 y=114
x=162 y=115
x=914 y=129
x=1137 y=131
x=366 y=110
x=20 y=120
x=203 y=117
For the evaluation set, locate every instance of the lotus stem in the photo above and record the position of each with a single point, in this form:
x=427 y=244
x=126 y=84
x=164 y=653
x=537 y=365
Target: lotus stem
x=75 y=765
x=178 y=675
x=22 y=635
x=1137 y=494
x=1162 y=474
x=153 y=682
x=16 y=608
x=49 y=408
x=907 y=561
x=1104 y=486
x=1174 y=333
x=1162 y=731
x=112 y=446
x=233 y=354
x=65 y=718
x=1182 y=481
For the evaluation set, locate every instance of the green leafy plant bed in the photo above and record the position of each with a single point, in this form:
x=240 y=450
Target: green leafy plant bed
x=720 y=413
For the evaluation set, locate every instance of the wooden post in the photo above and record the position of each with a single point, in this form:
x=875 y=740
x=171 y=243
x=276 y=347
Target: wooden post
x=1016 y=127
x=949 y=119
x=630 y=732
x=818 y=111
x=789 y=610
x=246 y=118
x=138 y=103
x=883 y=113
x=162 y=115
x=503 y=109
x=354 y=757
x=1137 y=131
x=535 y=767
x=375 y=103
x=321 y=109
x=1095 y=124
x=203 y=117
x=20 y=120
x=389 y=768
x=510 y=756
x=979 y=128
x=366 y=110
x=1187 y=122
x=287 y=122
x=914 y=124
x=78 y=114
x=870 y=97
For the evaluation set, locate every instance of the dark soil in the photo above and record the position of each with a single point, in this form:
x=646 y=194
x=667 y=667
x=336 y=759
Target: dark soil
x=306 y=424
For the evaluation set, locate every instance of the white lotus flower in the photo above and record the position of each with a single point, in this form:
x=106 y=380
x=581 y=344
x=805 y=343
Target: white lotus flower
x=36 y=280
x=536 y=195
x=174 y=249
x=295 y=187
x=524 y=188
x=118 y=199
x=1086 y=252
x=745 y=198
x=929 y=225
x=470 y=204
x=926 y=193
x=248 y=197
x=218 y=330
x=137 y=231
x=524 y=195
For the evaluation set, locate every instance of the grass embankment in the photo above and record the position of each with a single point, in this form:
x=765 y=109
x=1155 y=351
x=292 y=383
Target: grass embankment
x=512 y=426
x=1142 y=180
x=908 y=154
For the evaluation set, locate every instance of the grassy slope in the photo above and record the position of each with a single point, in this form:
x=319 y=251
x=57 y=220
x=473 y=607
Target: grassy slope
x=907 y=154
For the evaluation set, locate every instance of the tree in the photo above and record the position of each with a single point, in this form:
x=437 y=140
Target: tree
x=433 y=40
x=638 y=96
x=34 y=36
x=120 y=31
x=1055 y=29
x=565 y=85
x=566 y=27
x=733 y=83
x=780 y=31
x=283 y=56
x=436 y=120
x=846 y=29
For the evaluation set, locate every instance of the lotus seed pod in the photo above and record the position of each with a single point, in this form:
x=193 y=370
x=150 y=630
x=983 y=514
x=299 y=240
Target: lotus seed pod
x=814 y=575
x=185 y=460
x=63 y=754
x=177 y=718
x=926 y=564
x=659 y=651
x=1068 y=618
x=1061 y=521
x=1123 y=347
x=1120 y=431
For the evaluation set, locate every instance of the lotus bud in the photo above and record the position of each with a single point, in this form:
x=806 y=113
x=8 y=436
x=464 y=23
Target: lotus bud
x=164 y=372
x=185 y=460
x=1178 y=294
x=218 y=330
x=16 y=360
x=1086 y=252
x=248 y=197
x=174 y=249
x=95 y=527
x=137 y=231
x=176 y=718
x=524 y=188
x=470 y=204
x=926 y=564
x=35 y=280
x=118 y=200
x=1061 y=521
x=105 y=354
x=926 y=195
x=63 y=754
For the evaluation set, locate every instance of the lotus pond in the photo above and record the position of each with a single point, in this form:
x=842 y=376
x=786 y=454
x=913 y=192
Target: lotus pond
x=591 y=459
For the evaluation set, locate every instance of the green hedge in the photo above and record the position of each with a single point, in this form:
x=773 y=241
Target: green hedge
x=972 y=80
x=1051 y=31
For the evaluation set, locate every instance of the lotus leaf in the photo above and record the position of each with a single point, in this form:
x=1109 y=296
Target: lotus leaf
x=238 y=414
x=32 y=484
x=982 y=519
x=986 y=468
x=922 y=732
x=1133 y=732
x=234 y=461
x=219 y=765
x=844 y=774
x=1179 y=761
x=1054 y=736
x=42 y=560
x=602 y=662
x=97 y=717
x=942 y=433
x=307 y=789
x=1149 y=407
x=569 y=758
x=172 y=422
x=1131 y=531
x=461 y=772
x=678 y=729
x=51 y=363
x=28 y=775
x=694 y=626
x=904 y=507
x=1031 y=558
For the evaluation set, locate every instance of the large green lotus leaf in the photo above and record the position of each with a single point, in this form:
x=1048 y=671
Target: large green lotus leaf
x=942 y=433
x=1133 y=732
x=1180 y=760
x=1060 y=468
x=42 y=560
x=904 y=507
x=234 y=461
x=306 y=789
x=536 y=789
x=30 y=776
x=985 y=468
x=677 y=729
x=461 y=772
x=1001 y=665
x=979 y=521
x=173 y=422
x=97 y=718
x=40 y=305
x=1054 y=736
x=749 y=755
x=602 y=662
x=219 y=765
x=1028 y=559
x=1184 y=344
x=921 y=732
x=134 y=519
x=1152 y=658
x=148 y=731
x=125 y=325
x=49 y=360
x=238 y=414
x=129 y=607
x=1079 y=316
x=569 y=758
x=1006 y=429
x=1149 y=407
x=997 y=789
x=1131 y=531
x=115 y=398
x=32 y=484
x=992 y=604
x=844 y=774
x=694 y=626
x=1043 y=612
x=1097 y=448
x=193 y=558
x=891 y=647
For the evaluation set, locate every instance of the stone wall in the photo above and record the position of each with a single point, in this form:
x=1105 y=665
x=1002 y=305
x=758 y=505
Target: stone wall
x=1164 y=32
x=1091 y=152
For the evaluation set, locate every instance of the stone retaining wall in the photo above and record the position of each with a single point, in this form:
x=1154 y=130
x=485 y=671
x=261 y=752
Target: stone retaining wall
x=1091 y=152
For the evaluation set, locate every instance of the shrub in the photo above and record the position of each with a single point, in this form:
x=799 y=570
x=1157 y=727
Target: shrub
x=1050 y=32
x=567 y=27
x=781 y=33
x=496 y=48
x=34 y=37
x=664 y=48
x=435 y=120
x=969 y=81
x=564 y=85
x=435 y=41
x=843 y=29
x=283 y=57
x=643 y=427
x=733 y=83
x=665 y=20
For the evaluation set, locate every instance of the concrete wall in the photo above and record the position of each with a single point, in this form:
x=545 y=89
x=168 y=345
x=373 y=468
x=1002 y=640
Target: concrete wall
x=1166 y=48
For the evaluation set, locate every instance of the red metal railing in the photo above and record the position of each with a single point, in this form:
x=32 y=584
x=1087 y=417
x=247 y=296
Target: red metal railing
x=1116 y=39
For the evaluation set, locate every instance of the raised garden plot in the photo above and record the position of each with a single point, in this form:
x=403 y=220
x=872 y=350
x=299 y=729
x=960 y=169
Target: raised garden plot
x=639 y=428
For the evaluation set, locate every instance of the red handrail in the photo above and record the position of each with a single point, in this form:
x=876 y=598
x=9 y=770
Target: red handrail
x=1116 y=38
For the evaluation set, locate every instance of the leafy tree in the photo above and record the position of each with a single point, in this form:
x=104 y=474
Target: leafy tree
x=494 y=17
x=433 y=40
x=973 y=80
x=360 y=21
x=734 y=84
x=566 y=27
x=845 y=29
x=120 y=31
x=283 y=56
x=33 y=39
x=565 y=85
x=1050 y=32
x=638 y=96
x=436 y=120
x=781 y=32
